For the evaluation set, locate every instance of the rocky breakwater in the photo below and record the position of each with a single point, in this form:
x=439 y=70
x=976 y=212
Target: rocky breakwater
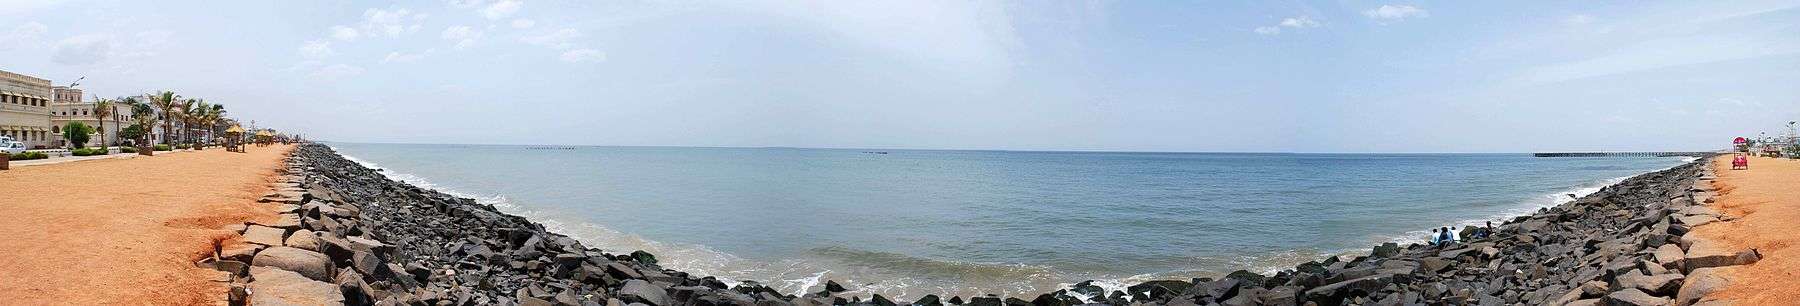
x=350 y=236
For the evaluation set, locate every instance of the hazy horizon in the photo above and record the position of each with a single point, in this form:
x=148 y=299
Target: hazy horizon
x=1302 y=77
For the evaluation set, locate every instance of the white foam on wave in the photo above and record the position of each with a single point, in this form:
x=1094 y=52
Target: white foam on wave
x=1527 y=207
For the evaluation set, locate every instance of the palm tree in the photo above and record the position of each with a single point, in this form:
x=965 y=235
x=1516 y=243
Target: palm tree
x=167 y=102
x=212 y=120
x=142 y=115
x=103 y=109
x=191 y=114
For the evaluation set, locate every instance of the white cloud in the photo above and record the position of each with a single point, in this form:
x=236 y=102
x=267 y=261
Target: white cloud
x=1579 y=19
x=560 y=39
x=344 y=33
x=523 y=23
x=82 y=50
x=464 y=3
x=1301 y=22
x=464 y=36
x=390 y=22
x=398 y=57
x=1396 y=12
x=23 y=35
x=501 y=9
x=583 y=55
x=337 y=71
x=315 y=49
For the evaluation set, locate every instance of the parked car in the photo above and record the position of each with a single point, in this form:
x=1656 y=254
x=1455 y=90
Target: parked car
x=11 y=147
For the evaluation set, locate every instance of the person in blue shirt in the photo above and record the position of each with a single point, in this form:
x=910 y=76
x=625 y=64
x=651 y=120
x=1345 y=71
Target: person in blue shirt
x=1445 y=237
x=1435 y=236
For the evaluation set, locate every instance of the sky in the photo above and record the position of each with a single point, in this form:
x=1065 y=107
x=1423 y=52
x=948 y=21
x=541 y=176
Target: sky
x=1251 y=76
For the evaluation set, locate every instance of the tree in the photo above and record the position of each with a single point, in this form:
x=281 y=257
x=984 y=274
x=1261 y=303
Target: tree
x=191 y=113
x=77 y=134
x=134 y=131
x=143 y=117
x=169 y=103
x=103 y=109
x=212 y=120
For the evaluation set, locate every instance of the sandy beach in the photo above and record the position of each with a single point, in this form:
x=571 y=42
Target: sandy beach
x=127 y=231
x=1767 y=206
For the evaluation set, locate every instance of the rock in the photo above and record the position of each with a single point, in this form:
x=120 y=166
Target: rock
x=1246 y=277
x=642 y=291
x=1386 y=250
x=1333 y=293
x=1633 y=297
x=242 y=252
x=525 y=299
x=267 y=236
x=1281 y=296
x=643 y=257
x=1706 y=256
x=308 y=263
x=303 y=239
x=1698 y=284
x=622 y=271
x=1658 y=285
x=833 y=287
x=1158 y=289
x=286 y=222
x=1433 y=265
x=282 y=287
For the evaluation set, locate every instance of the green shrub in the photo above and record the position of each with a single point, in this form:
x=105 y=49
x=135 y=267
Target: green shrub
x=88 y=151
x=29 y=156
x=163 y=147
x=127 y=150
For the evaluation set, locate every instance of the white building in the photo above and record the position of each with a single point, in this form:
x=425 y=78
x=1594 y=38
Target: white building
x=25 y=109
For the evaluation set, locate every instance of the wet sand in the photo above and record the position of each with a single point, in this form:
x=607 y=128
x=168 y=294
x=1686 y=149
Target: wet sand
x=1766 y=200
x=127 y=231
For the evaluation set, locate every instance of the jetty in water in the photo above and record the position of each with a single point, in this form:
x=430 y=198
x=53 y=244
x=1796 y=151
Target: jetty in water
x=1623 y=154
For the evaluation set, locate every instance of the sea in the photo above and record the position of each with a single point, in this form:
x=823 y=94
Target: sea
x=905 y=223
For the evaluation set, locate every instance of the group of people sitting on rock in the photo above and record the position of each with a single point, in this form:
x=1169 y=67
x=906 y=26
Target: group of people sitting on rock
x=1448 y=235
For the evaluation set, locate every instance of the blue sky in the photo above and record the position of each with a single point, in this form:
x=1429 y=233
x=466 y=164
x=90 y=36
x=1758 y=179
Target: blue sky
x=1344 y=76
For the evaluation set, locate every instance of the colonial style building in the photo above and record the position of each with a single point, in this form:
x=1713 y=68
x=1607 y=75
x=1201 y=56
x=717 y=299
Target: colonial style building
x=25 y=109
x=62 y=113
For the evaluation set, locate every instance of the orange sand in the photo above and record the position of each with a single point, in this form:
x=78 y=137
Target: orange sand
x=1767 y=202
x=126 y=231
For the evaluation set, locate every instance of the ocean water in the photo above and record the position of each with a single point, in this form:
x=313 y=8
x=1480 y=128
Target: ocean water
x=912 y=222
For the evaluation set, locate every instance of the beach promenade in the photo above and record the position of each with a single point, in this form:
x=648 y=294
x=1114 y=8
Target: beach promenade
x=1767 y=206
x=128 y=230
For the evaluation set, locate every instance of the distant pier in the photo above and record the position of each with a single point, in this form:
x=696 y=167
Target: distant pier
x=1623 y=154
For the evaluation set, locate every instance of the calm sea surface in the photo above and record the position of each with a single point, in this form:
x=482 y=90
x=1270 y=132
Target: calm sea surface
x=912 y=222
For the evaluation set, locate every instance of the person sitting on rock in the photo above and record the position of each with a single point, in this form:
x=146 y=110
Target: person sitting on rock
x=1445 y=237
x=1435 y=237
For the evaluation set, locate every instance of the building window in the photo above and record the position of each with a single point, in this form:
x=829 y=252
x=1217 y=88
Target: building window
x=55 y=129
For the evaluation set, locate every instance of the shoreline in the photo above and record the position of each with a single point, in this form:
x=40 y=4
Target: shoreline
x=1390 y=274
x=702 y=259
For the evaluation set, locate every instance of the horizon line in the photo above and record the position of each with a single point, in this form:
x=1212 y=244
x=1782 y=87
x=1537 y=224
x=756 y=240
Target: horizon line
x=996 y=150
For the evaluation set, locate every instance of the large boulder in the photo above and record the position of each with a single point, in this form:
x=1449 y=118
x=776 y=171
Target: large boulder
x=1633 y=297
x=311 y=264
x=264 y=235
x=1659 y=285
x=303 y=239
x=283 y=287
x=641 y=291
x=1698 y=284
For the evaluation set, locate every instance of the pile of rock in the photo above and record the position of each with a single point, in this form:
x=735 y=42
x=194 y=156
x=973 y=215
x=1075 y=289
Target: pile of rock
x=349 y=235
